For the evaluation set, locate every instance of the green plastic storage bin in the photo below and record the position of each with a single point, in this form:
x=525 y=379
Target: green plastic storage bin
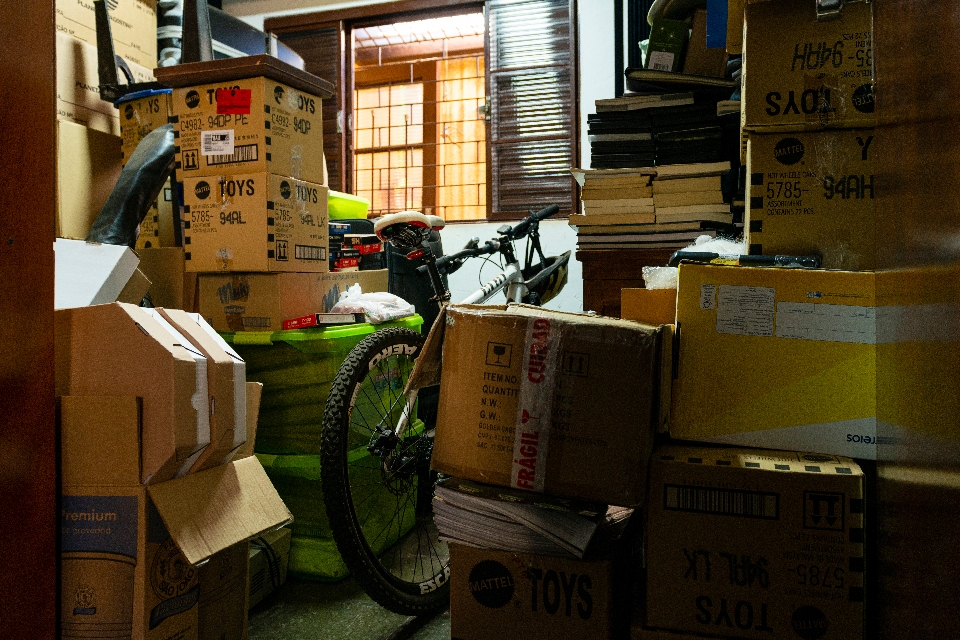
x=346 y=206
x=297 y=369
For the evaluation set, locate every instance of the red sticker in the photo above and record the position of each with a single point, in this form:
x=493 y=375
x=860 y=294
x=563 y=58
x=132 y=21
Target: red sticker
x=233 y=101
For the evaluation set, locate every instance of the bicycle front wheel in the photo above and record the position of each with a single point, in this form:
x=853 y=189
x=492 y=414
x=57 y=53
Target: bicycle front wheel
x=377 y=484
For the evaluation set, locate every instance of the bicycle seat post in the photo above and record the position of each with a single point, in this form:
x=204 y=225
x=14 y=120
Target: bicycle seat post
x=441 y=293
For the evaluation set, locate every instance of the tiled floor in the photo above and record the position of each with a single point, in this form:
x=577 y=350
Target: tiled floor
x=302 y=610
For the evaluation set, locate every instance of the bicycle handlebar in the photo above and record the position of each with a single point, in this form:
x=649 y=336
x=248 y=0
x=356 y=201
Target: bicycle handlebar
x=520 y=230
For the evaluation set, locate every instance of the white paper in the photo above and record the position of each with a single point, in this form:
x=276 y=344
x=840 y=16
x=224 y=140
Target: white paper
x=216 y=143
x=827 y=322
x=745 y=311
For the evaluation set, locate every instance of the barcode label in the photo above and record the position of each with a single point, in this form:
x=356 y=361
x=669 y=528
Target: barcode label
x=216 y=142
x=661 y=61
x=306 y=252
x=243 y=153
x=724 y=502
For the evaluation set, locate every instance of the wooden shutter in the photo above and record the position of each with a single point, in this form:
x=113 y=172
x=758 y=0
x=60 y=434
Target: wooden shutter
x=531 y=143
x=326 y=55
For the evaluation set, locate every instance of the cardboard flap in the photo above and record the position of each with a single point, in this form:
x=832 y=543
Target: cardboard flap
x=426 y=369
x=209 y=511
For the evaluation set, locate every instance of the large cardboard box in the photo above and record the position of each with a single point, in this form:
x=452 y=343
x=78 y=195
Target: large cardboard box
x=158 y=227
x=800 y=73
x=755 y=544
x=269 y=560
x=78 y=86
x=500 y=594
x=226 y=373
x=262 y=301
x=255 y=222
x=120 y=349
x=253 y=125
x=561 y=403
x=813 y=192
x=129 y=552
x=88 y=166
x=133 y=24
x=778 y=358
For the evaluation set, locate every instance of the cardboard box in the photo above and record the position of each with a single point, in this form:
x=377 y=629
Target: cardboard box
x=88 y=166
x=500 y=594
x=800 y=73
x=120 y=349
x=140 y=114
x=651 y=306
x=129 y=552
x=78 y=86
x=133 y=25
x=170 y=285
x=701 y=60
x=269 y=559
x=89 y=273
x=255 y=125
x=262 y=301
x=777 y=358
x=254 y=393
x=813 y=191
x=224 y=596
x=226 y=383
x=519 y=405
x=755 y=544
x=255 y=222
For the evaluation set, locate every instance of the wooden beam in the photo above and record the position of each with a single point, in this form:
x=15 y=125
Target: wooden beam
x=29 y=533
x=394 y=11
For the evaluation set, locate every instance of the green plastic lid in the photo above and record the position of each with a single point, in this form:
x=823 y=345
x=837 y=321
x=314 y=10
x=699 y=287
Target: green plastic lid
x=312 y=334
x=346 y=206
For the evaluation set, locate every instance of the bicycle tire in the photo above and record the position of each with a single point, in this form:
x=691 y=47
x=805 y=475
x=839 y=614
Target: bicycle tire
x=370 y=498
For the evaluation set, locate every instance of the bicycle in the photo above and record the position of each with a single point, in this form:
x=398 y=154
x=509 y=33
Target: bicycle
x=376 y=442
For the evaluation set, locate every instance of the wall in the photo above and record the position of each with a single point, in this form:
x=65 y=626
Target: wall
x=596 y=81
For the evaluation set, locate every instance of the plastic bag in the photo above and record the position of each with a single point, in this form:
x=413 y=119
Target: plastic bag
x=660 y=277
x=379 y=306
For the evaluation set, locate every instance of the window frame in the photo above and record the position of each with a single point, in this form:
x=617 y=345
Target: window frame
x=345 y=20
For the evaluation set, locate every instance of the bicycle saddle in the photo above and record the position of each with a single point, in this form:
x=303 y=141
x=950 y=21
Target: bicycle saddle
x=407 y=230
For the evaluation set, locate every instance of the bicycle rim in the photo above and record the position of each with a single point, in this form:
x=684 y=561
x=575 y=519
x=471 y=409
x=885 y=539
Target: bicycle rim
x=379 y=502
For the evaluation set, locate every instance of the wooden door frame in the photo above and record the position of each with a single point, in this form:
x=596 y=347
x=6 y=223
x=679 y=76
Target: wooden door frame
x=29 y=586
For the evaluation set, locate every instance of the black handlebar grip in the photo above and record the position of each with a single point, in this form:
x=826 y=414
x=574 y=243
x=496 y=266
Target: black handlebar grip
x=546 y=213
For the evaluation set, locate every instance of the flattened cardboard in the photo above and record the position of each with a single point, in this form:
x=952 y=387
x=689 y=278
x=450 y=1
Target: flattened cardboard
x=88 y=166
x=812 y=192
x=88 y=273
x=262 y=301
x=133 y=25
x=274 y=128
x=499 y=594
x=104 y=350
x=803 y=74
x=255 y=222
x=778 y=358
x=755 y=543
x=519 y=404
x=226 y=384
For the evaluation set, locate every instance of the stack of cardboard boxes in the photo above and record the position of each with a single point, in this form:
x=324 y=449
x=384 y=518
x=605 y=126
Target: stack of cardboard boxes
x=160 y=492
x=250 y=162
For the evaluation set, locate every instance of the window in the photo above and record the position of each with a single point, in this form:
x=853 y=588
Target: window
x=495 y=133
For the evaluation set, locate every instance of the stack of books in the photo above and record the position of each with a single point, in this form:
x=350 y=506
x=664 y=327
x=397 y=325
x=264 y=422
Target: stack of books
x=655 y=129
x=616 y=196
x=687 y=202
x=487 y=516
